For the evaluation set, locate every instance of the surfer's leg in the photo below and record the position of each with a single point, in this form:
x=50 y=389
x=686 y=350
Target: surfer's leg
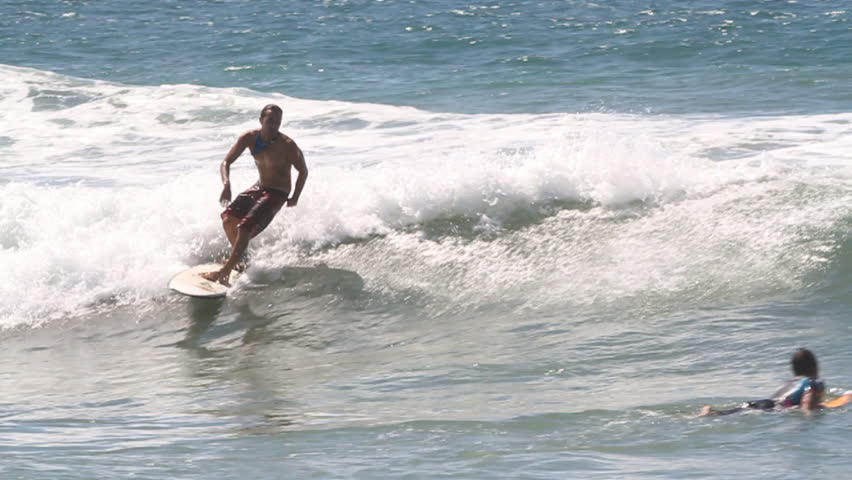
x=243 y=264
x=710 y=411
x=237 y=250
x=238 y=210
x=267 y=204
x=229 y=224
x=765 y=404
x=263 y=211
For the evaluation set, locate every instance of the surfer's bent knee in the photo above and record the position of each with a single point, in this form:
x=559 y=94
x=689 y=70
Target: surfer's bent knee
x=230 y=221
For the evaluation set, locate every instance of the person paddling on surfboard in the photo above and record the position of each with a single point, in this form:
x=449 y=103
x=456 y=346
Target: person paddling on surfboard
x=274 y=155
x=805 y=391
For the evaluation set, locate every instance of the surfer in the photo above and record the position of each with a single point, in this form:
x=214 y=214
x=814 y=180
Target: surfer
x=274 y=155
x=805 y=391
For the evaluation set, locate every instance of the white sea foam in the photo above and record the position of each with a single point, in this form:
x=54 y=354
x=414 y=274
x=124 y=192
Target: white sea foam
x=110 y=189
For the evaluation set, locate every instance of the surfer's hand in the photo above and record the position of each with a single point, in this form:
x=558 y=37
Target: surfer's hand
x=225 y=198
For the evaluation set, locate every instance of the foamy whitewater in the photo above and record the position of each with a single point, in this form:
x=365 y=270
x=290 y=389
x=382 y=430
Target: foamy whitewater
x=490 y=274
x=117 y=193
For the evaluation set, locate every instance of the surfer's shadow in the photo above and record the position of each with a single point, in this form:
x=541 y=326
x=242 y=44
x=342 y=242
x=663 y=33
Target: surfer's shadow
x=302 y=282
x=202 y=314
x=269 y=305
x=218 y=329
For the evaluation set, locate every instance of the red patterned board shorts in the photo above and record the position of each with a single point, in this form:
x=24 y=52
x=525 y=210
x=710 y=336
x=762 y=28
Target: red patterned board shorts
x=256 y=207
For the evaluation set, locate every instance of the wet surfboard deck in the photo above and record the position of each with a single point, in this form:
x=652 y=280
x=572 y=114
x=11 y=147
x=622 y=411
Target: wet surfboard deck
x=190 y=282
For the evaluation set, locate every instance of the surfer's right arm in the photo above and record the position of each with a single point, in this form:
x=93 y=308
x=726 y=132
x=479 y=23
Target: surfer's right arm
x=225 y=168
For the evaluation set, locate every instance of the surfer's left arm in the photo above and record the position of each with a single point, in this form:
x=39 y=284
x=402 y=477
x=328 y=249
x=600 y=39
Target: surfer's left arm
x=298 y=162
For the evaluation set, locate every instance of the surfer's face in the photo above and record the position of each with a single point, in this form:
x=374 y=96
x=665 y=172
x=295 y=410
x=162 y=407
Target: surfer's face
x=270 y=120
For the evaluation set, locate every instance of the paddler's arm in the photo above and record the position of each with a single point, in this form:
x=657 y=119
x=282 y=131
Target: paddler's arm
x=810 y=401
x=299 y=164
x=225 y=168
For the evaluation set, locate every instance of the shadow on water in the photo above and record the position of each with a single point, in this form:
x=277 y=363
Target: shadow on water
x=286 y=297
x=202 y=313
x=309 y=281
x=254 y=345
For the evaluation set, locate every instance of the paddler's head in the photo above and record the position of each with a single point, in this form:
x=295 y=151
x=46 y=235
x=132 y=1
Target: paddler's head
x=805 y=364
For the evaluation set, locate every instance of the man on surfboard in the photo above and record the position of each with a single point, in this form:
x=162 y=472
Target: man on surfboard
x=274 y=155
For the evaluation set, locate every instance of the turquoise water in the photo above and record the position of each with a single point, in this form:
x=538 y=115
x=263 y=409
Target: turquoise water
x=537 y=237
x=523 y=56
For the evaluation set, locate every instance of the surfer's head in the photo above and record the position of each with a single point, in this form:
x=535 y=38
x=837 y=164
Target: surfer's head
x=805 y=364
x=270 y=108
x=270 y=117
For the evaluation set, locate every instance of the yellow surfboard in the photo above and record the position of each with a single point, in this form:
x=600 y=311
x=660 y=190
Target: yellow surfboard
x=839 y=401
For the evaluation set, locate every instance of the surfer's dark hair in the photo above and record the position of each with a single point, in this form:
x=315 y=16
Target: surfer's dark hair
x=270 y=107
x=805 y=364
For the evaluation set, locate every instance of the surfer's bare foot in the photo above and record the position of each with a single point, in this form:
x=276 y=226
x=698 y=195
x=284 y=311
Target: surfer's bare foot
x=706 y=410
x=216 y=277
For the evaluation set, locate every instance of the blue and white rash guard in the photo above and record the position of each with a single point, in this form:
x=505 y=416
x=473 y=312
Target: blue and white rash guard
x=790 y=395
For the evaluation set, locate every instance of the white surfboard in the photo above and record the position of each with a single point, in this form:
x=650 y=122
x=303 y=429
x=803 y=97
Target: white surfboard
x=190 y=282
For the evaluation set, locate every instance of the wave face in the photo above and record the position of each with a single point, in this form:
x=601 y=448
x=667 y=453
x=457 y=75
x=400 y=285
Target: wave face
x=109 y=189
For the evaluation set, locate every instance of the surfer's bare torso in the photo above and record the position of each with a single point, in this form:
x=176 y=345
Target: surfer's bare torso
x=274 y=158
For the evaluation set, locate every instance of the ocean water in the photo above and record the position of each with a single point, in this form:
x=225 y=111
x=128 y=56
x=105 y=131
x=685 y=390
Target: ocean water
x=536 y=238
